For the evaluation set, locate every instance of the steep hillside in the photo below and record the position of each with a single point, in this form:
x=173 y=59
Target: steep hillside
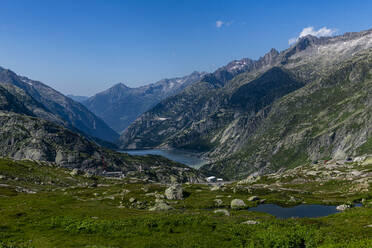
x=120 y=105
x=64 y=110
x=328 y=118
x=260 y=119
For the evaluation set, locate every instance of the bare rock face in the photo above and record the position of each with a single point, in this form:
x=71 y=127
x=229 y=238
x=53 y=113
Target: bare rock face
x=174 y=192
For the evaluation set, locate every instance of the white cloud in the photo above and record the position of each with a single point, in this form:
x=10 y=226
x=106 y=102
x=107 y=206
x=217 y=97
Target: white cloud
x=219 y=24
x=324 y=31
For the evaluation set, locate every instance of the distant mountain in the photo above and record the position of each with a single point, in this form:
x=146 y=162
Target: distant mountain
x=78 y=98
x=120 y=105
x=308 y=102
x=51 y=105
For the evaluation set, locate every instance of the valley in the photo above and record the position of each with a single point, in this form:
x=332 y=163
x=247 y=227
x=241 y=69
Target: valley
x=269 y=152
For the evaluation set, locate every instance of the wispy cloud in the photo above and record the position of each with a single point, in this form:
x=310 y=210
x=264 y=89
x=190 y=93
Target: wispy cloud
x=220 y=24
x=324 y=31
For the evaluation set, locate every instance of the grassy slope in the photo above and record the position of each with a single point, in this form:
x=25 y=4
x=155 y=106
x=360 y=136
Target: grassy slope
x=66 y=212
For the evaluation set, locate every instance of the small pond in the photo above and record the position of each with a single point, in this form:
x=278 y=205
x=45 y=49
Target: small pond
x=188 y=158
x=301 y=211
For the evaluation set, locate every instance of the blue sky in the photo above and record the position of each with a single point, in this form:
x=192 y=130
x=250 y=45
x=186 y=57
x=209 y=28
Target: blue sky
x=83 y=47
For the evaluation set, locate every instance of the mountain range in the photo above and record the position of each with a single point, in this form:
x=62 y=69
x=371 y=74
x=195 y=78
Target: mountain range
x=120 y=105
x=40 y=124
x=308 y=102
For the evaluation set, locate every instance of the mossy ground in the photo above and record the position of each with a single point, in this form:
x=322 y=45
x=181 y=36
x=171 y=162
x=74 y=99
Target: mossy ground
x=66 y=211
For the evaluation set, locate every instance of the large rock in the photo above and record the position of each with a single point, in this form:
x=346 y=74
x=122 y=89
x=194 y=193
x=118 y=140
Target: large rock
x=222 y=211
x=237 y=204
x=174 y=192
x=343 y=207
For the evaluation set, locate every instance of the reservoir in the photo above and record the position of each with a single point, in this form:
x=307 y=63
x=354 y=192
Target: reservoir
x=185 y=157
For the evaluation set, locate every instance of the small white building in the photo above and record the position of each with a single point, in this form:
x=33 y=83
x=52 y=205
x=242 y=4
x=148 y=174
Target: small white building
x=211 y=179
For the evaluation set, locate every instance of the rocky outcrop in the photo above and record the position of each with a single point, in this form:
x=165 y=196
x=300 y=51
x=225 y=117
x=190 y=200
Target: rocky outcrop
x=174 y=192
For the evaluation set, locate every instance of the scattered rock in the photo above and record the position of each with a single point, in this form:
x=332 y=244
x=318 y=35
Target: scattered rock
x=218 y=202
x=174 y=192
x=215 y=188
x=250 y=222
x=253 y=198
x=160 y=206
x=2 y=177
x=250 y=179
x=75 y=172
x=222 y=211
x=356 y=173
x=237 y=204
x=343 y=207
x=88 y=175
x=24 y=190
x=124 y=191
x=159 y=196
x=311 y=173
x=368 y=225
x=159 y=200
x=132 y=199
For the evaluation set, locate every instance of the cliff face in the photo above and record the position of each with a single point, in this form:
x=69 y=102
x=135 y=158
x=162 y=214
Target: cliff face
x=308 y=102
